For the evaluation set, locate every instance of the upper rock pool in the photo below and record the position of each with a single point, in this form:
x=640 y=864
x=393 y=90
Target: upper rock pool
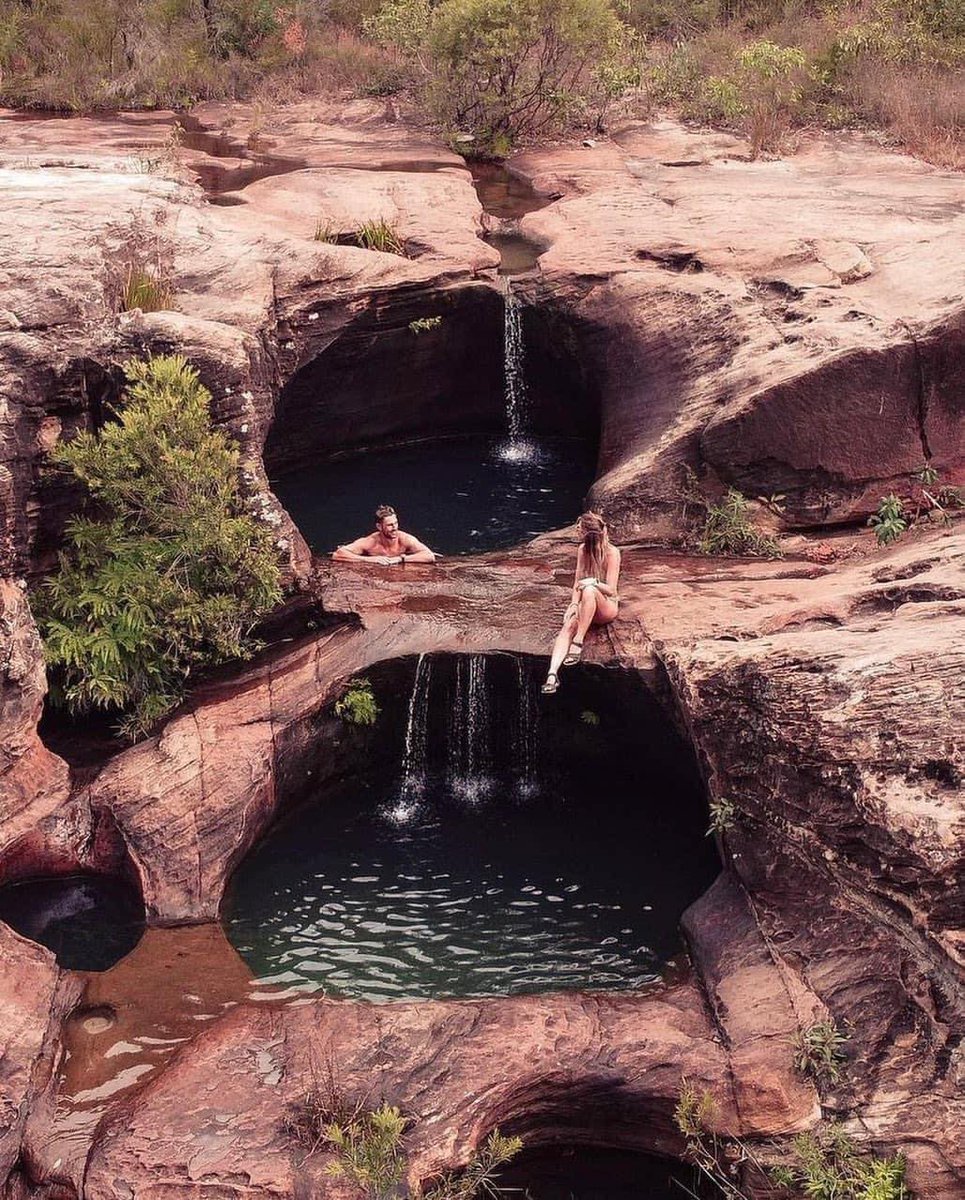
x=459 y=496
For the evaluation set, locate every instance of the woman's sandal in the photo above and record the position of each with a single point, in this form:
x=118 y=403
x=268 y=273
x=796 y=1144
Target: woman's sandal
x=574 y=654
x=551 y=685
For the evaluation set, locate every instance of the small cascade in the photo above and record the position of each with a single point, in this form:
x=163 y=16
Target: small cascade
x=413 y=783
x=524 y=740
x=517 y=447
x=469 y=741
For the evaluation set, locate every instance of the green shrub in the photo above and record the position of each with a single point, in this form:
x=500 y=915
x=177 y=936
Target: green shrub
x=424 y=324
x=818 y=1051
x=168 y=573
x=480 y=1173
x=729 y=530
x=368 y=1149
x=827 y=1166
x=889 y=522
x=503 y=69
x=357 y=704
x=763 y=92
x=723 y=814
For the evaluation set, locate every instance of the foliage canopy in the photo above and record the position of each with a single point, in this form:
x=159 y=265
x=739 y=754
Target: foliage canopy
x=168 y=572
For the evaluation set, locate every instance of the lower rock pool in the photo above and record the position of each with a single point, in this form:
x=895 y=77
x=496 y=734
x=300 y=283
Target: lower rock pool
x=486 y=841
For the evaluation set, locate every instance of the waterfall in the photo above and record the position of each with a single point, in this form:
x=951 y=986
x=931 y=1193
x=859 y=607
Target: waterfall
x=524 y=740
x=414 y=757
x=517 y=447
x=469 y=748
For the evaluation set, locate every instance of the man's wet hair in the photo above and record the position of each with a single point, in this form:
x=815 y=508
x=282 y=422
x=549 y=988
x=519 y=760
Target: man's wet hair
x=383 y=511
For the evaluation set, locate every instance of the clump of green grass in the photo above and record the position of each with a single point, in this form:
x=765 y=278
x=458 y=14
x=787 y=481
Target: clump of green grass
x=728 y=529
x=145 y=289
x=380 y=235
x=357 y=704
x=325 y=231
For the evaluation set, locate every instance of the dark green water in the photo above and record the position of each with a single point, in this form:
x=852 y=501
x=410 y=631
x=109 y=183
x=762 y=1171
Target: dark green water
x=564 y=1174
x=89 y=921
x=462 y=496
x=523 y=844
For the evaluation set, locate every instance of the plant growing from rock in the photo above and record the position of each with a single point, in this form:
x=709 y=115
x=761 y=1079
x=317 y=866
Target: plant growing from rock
x=818 y=1051
x=357 y=704
x=367 y=1149
x=723 y=814
x=480 y=1173
x=144 y=287
x=380 y=235
x=889 y=522
x=728 y=529
x=827 y=1166
x=168 y=572
x=325 y=231
x=424 y=324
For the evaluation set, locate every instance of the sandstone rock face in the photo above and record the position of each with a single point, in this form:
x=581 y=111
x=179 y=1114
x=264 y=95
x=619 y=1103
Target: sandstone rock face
x=787 y=327
x=33 y=782
x=792 y=328
x=28 y=988
x=597 y=1069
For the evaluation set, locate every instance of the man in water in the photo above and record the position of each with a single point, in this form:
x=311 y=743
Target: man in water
x=387 y=546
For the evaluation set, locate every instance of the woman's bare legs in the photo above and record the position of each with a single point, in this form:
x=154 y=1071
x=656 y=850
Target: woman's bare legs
x=561 y=646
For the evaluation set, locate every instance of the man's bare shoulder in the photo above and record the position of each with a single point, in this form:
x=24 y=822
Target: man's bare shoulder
x=410 y=543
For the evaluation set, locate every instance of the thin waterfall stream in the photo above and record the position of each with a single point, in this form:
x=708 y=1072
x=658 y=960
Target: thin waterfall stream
x=517 y=448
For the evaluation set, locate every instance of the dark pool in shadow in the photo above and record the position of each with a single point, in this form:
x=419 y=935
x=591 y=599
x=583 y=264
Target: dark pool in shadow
x=460 y=496
x=492 y=842
x=560 y=1173
x=89 y=921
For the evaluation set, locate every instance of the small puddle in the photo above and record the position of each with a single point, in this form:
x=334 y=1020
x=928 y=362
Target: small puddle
x=134 y=1017
x=508 y=198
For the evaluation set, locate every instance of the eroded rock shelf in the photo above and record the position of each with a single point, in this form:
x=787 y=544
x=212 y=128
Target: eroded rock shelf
x=790 y=328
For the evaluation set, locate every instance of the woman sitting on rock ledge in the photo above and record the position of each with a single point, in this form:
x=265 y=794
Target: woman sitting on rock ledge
x=594 y=600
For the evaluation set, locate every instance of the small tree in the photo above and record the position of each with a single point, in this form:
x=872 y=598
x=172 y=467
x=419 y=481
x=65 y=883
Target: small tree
x=168 y=572
x=505 y=69
x=762 y=92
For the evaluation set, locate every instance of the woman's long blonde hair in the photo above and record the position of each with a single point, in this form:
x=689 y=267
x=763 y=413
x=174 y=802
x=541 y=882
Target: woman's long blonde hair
x=596 y=544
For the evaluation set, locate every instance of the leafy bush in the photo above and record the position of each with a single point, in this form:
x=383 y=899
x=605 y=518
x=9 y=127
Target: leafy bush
x=818 y=1051
x=168 y=573
x=889 y=522
x=762 y=92
x=357 y=704
x=729 y=530
x=504 y=69
x=424 y=324
x=827 y=1166
x=723 y=814
x=481 y=1172
x=368 y=1149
